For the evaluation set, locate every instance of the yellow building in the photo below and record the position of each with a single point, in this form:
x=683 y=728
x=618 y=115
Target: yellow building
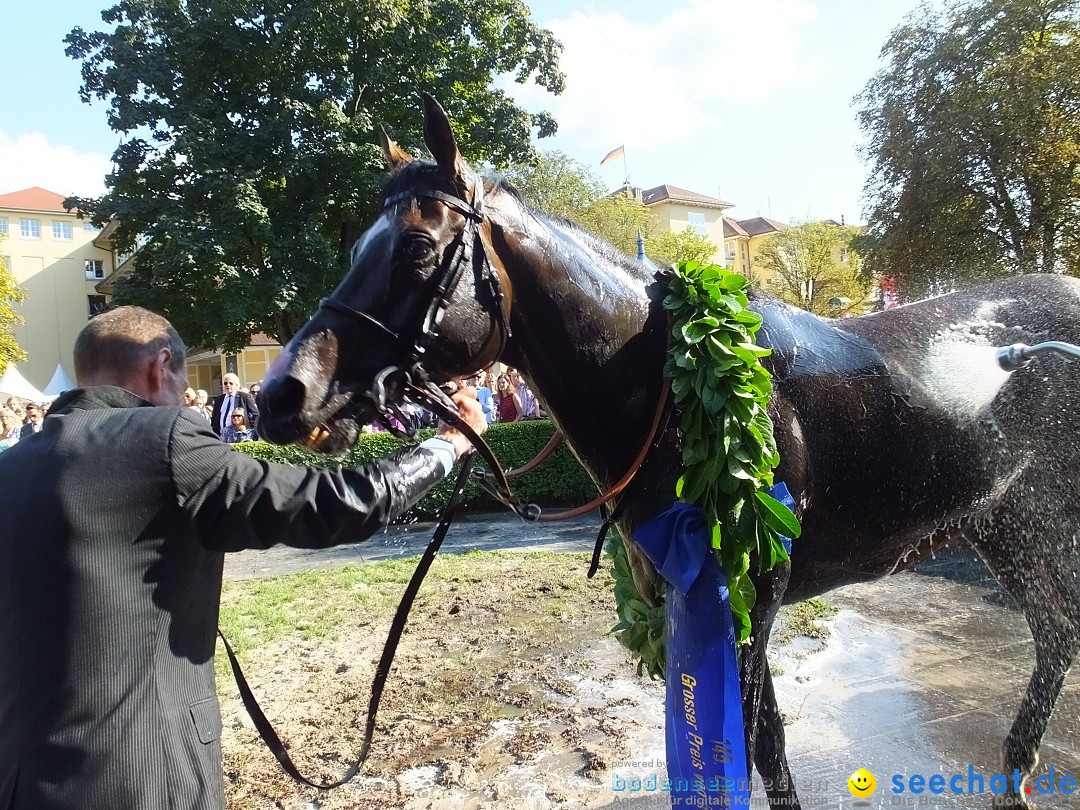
x=58 y=259
x=676 y=209
x=69 y=270
x=742 y=240
x=205 y=366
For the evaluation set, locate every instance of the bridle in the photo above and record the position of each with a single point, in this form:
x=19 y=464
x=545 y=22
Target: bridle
x=410 y=377
x=467 y=248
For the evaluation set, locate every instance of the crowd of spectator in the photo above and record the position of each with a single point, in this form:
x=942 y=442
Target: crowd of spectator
x=19 y=420
x=503 y=398
x=233 y=415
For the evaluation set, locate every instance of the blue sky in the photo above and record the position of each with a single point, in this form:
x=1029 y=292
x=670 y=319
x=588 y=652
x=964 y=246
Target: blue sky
x=748 y=101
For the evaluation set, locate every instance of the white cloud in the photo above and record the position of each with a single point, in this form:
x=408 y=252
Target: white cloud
x=643 y=81
x=30 y=160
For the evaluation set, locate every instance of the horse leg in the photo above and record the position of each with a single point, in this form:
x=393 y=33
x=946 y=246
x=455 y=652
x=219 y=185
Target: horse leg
x=1034 y=557
x=770 y=756
x=761 y=716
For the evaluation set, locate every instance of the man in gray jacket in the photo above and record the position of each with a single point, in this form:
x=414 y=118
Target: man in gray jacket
x=116 y=519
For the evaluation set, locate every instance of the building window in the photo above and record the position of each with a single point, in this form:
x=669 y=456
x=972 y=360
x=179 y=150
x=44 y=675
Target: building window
x=61 y=230
x=30 y=228
x=697 y=222
x=95 y=305
x=91 y=227
x=729 y=255
x=3 y=224
x=95 y=268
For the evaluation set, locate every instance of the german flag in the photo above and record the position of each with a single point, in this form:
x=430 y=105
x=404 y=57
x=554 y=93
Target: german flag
x=614 y=154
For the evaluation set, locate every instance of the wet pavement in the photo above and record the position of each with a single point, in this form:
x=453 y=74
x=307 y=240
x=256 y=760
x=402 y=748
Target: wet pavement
x=921 y=674
x=485 y=532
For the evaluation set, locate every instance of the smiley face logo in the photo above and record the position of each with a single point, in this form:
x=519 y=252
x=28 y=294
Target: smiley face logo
x=862 y=783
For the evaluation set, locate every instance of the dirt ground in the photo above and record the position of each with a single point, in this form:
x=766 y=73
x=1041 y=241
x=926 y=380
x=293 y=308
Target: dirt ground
x=505 y=693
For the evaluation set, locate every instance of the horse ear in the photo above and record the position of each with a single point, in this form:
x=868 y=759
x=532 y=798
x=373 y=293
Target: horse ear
x=439 y=137
x=394 y=155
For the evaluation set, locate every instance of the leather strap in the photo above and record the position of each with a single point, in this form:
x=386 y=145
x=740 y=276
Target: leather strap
x=382 y=670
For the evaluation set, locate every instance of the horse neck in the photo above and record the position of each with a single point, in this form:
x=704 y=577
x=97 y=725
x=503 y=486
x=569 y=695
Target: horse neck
x=588 y=334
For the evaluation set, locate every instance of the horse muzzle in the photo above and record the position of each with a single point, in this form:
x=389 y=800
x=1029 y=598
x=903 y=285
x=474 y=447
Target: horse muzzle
x=299 y=403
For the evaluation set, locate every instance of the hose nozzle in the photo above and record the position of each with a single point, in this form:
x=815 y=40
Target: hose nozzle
x=1012 y=358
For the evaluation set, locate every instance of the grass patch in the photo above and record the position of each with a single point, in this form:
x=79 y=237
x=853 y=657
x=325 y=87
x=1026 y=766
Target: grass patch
x=315 y=605
x=804 y=619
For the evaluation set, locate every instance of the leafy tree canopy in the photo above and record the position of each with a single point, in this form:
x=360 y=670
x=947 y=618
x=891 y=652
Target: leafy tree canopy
x=250 y=164
x=973 y=128
x=816 y=268
x=10 y=295
x=564 y=187
x=687 y=245
x=556 y=184
x=618 y=218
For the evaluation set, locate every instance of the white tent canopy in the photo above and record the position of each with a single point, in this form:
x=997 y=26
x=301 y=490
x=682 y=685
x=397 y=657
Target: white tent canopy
x=14 y=384
x=59 y=383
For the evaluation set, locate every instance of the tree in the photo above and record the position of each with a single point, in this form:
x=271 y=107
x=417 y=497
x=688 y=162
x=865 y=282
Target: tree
x=817 y=268
x=618 y=218
x=669 y=247
x=250 y=160
x=10 y=294
x=561 y=186
x=556 y=184
x=974 y=133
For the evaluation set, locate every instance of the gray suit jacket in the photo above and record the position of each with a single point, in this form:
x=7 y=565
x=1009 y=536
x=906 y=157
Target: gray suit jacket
x=116 y=518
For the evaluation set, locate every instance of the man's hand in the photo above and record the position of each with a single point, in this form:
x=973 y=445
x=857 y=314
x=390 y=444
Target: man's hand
x=469 y=410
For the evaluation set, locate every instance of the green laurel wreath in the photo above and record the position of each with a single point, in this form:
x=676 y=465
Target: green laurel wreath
x=721 y=391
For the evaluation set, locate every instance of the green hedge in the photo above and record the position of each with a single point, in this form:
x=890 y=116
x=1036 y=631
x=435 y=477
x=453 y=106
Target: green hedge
x=559 y=481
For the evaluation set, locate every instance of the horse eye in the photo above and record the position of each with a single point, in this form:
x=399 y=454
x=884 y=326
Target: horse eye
x=418 y=247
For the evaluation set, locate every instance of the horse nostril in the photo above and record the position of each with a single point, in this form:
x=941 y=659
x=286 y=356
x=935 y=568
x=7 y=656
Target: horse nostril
x=285 y=395
x=280 y=403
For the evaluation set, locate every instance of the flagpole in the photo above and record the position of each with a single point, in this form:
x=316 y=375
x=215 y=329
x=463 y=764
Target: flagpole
x=626 y=171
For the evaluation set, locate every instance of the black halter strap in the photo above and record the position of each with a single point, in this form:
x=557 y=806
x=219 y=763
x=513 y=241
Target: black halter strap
x=413 y=380
x=465 y=250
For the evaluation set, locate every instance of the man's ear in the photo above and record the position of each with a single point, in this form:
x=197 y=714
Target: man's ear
x=157 y=377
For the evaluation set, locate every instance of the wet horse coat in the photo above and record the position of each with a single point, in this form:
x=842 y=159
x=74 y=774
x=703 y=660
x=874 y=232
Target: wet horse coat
x=897 y=431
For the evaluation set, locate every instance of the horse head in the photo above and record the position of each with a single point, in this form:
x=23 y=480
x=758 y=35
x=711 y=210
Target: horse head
x=421 y=270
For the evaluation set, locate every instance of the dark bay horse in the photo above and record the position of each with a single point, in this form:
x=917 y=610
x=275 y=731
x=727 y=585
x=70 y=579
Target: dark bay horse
x=898 y=432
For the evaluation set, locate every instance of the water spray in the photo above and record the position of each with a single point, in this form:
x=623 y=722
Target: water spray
x=1019 y=355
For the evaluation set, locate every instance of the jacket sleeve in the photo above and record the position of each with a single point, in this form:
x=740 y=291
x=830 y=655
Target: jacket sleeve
x=239 y=502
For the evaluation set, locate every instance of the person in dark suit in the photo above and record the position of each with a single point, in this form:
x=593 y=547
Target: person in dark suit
x=230 y=399
x=116 y=520
x=34 y=418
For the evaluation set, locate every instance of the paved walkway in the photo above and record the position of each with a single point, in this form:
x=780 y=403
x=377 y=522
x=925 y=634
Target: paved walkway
x=483 y=532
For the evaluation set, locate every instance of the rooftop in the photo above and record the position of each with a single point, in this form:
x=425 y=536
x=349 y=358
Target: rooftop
x=34 y=199
x=666 y=193
x=755 y=226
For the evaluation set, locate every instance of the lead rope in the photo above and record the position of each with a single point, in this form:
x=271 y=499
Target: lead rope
x=382 y=670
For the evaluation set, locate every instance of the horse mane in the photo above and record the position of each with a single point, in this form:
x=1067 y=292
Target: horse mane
x=406 y=177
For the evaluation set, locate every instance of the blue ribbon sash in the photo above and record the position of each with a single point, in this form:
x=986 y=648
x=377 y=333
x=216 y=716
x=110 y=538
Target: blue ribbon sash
x=782 y=494
x=706 y=748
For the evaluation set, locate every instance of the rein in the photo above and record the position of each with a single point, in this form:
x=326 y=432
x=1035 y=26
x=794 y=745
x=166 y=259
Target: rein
x=415 y=382
x=382 y=670
x=501 y=491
